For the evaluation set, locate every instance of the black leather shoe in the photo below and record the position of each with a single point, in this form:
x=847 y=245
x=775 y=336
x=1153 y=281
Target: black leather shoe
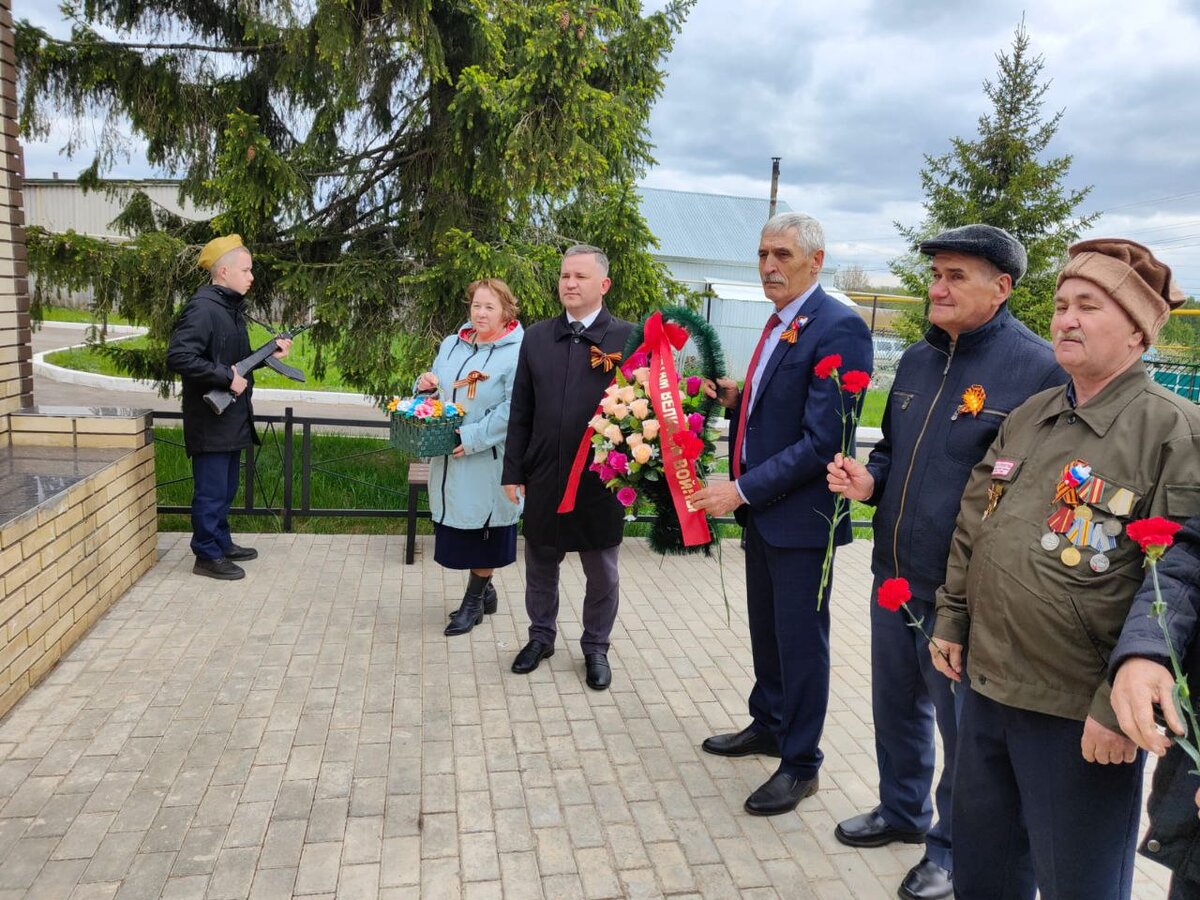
x=927 y=881
x=599 y=675
x=218 y=568
x=529 y=657
x=239 y=553
x=780 y=794
x=742 y=743
x=871 y=830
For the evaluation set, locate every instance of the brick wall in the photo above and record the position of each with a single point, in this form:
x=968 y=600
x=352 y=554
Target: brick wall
x=16 y=360
x=63 y=564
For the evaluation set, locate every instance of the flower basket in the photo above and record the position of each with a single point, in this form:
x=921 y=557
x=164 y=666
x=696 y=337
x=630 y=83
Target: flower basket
x=424 y=426
x=424 y=437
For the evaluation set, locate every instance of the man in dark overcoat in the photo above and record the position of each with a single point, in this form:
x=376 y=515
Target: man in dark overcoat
x=208 y=341
x=557 y=387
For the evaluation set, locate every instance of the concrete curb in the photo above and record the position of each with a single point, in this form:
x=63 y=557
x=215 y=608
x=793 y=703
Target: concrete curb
x=112 y=382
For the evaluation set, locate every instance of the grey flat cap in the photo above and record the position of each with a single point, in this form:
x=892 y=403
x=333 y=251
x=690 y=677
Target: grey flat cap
x=994 y=244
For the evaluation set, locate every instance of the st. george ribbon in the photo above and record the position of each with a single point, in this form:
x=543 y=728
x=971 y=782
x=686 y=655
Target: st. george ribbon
x=659 y=340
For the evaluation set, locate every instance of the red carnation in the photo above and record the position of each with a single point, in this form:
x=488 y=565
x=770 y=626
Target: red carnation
x=1153 y=535
x=894 y=593
x=689 y=445
x=828 y=365
x=856 y=381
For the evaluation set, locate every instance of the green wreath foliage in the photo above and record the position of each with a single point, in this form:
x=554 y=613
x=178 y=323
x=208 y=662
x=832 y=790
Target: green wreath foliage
x=666 y=537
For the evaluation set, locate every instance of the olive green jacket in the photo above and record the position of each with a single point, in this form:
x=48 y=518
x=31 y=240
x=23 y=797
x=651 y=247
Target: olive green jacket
x=1039 y=627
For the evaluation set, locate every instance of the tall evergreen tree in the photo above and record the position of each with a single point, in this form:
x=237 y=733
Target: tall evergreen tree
x=999 y=178
x=376 y=155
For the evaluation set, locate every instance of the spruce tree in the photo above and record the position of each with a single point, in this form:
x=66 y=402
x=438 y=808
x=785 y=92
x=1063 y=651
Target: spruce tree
x=376 y=156
x=1000 y=178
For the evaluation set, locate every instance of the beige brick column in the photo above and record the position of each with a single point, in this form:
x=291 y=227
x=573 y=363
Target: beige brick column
x=16 y=355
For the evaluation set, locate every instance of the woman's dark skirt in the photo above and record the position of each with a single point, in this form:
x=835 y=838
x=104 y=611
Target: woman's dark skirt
x=477 y=548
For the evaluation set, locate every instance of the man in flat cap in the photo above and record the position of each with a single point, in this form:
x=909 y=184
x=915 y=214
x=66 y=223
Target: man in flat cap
x=209 y=338
x=951 y=393
x=1041 y=575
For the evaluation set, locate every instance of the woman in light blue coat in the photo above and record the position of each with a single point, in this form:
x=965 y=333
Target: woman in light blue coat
x=475 y=523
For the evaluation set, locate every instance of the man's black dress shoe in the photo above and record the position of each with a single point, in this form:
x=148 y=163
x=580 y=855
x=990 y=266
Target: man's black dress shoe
x=218 y=568
x=599 y=675
x=529 y=657
x=239 y=553
x=927 y=881
x=742 y=743
x=871 y=830
x=780 y=794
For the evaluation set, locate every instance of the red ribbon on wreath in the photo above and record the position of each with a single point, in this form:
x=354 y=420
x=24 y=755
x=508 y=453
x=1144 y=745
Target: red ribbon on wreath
x=659 y=340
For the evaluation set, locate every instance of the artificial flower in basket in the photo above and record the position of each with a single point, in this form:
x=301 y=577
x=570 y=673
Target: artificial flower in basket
x=650 y=440
x=424 y=426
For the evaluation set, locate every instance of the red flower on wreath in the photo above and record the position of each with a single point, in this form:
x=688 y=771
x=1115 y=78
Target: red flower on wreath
x=827 y=365
x=856 y=381
x=1154 y=535
x=894 y=593
x=689 y=445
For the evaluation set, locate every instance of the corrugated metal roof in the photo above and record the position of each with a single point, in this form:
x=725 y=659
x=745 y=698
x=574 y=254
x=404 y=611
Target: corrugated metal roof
x=716 y=227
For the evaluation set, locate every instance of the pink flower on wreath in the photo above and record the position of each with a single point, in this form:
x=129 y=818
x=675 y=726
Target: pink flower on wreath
x=637 y=361
x=607 y=473
x=692 y=385
x=618 y=462
x=695 y=423
x=627 y=496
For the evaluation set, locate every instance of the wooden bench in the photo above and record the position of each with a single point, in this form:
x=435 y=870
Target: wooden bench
x=418 y=480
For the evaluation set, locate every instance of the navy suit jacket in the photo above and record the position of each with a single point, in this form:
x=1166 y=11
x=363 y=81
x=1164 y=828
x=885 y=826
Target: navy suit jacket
x=795 y=427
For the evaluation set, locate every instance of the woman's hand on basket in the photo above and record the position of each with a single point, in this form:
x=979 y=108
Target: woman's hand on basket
x=427 y=382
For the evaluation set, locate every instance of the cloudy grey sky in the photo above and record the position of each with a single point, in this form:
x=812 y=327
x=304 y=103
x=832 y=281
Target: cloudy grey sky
x=851 y=93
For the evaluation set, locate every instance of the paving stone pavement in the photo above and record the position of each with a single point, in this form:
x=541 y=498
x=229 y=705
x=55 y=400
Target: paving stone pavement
x=309 y=731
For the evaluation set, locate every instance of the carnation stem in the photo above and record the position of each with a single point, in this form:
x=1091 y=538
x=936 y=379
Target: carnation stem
x=914 y=622
x=1182 y=692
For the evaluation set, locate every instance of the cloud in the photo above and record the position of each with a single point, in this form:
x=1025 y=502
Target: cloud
x=853 y=93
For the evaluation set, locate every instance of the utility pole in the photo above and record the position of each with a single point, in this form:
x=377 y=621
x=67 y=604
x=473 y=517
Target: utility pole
x=774 y=184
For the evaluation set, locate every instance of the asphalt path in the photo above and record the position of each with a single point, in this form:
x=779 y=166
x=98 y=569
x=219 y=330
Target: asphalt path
x=51 y=392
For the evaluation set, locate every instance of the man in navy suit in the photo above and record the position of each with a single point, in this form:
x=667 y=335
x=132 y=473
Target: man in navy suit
x=787 y=426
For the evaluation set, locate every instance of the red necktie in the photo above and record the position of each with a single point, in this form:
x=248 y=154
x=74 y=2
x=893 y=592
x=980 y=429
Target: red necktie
x=747 y=389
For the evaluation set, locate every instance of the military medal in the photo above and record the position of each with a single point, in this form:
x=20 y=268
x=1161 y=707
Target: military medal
x=993 y=498
x=1111 y=527
x=1099 y=563
x=1050 y=541
x=1070 y=556
x=1082 y=511
x=1121 y=502
x=1061 y=521
x=1101 y=541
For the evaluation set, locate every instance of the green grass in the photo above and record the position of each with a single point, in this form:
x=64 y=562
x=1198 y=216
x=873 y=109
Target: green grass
x=69 y=314
x=349 y=472
x=302 y=357
x=873 y=406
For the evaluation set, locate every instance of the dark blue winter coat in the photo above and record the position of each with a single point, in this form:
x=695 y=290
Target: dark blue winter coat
x=922 y=463
x=1174 y=835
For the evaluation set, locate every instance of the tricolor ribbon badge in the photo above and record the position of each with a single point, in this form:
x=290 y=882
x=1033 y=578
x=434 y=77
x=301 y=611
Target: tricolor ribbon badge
x=793 y=331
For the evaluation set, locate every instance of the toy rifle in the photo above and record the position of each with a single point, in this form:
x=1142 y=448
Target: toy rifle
x=220 y=399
